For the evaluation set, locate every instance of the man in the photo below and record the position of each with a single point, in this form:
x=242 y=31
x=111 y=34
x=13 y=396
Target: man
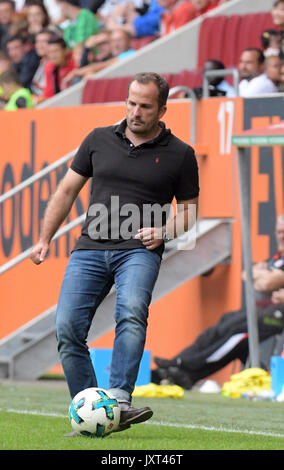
x=255 y=73
x=24 y=59
x=5 y=64
x=227 y=340
x=60 y=63
x=120 y=45
x=16 y=96
x=7 y=12
x=218 y=86
x=135 y=165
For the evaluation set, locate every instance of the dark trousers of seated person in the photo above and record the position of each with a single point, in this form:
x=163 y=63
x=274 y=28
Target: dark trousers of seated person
x=227 y=340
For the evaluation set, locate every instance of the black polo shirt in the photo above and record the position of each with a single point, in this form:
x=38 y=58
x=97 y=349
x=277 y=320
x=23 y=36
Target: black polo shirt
x=127 y=180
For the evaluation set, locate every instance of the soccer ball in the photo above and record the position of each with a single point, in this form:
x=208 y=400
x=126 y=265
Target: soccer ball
x=94 y=412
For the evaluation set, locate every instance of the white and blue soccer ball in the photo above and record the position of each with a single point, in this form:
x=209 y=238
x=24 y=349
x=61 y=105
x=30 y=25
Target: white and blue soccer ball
x=94 y=412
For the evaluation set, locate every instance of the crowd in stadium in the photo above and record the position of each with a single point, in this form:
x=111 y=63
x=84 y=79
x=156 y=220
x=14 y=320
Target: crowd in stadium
x=49 y=45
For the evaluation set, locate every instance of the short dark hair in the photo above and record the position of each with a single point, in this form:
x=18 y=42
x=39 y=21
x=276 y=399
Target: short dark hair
x=260 y=55
x=55 y=39
x=16 y=37
x=158 y=80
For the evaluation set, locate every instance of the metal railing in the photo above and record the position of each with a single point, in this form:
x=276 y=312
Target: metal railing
x=220 y=73
x=192 y=95
x=28 y=182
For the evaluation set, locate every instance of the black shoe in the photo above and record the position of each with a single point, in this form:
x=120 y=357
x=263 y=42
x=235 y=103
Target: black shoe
x=130 y=415
x=179 y=377
x=166 y=363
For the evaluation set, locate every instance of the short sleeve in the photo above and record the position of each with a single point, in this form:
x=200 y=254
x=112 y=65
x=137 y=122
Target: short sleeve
x=187 y=185
x=82 y=162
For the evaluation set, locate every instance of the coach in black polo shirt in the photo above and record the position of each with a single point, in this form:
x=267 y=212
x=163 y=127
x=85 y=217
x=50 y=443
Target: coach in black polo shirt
x=137 y=168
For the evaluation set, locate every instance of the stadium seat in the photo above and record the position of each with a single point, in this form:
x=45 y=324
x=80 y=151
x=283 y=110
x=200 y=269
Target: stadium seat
x=105 y=90
x=251 y=28
x=225 y=37
x=211 y=42
x=189 y=78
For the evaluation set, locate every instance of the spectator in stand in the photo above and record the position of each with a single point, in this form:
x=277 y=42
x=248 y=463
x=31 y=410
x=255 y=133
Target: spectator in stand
x=24 y=59
x=137 y=25
x=218 y=86
x=114 y=13
x=17 y=97
x=41 y=47
x=37 y=17
x=203 y=6
x=258 y=75
x=273 y=69
x=60 y=63
x=120 y=42
x=7 y=12
x=83 y=23
x=97 y=48
x=281 y=53
x=227 y=340
x=277 y=13
x=281 y=83
x=271 y=40
x=5 y=64
x=177 y=13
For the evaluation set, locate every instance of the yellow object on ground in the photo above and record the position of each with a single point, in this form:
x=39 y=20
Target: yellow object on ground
x=158 y=391
x=249 y=380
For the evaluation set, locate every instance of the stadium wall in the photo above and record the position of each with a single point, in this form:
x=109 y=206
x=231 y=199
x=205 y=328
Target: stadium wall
x=45 y=135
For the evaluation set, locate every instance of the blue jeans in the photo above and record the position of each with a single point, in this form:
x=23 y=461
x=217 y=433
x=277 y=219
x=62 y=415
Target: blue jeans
x=89 y=277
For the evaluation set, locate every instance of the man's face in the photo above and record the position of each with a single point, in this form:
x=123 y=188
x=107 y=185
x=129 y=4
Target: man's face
x=142 y=109
x=57 y=54
x=280 y=235
x=16 y=51
x=6 y=13
x=119 y=42
x=272 y=68
x=282 y=74
x=249 y=67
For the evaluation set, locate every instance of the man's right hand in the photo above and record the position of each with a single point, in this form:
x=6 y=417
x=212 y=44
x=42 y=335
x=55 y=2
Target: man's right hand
x=39 y=252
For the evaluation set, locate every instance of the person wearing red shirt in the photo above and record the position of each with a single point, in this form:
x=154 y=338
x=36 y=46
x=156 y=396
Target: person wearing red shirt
x=60 y=63
x=203 y=6
x=178 y=13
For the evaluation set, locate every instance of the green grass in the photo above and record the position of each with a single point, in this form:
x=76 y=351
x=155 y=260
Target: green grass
x=196 y=422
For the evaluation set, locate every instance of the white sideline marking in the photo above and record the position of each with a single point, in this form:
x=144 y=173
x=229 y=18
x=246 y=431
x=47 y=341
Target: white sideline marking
x=160 y=423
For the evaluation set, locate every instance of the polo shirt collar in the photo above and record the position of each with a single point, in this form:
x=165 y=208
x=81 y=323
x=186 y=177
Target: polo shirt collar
x=161 y=139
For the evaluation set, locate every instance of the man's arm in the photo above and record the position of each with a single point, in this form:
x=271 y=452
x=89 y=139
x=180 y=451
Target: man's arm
x=269 y=280
x=278 y=296
x=57 y=210
x=183 y=221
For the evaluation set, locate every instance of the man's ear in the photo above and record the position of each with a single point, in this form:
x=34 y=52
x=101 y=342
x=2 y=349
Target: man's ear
x=162 y=111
